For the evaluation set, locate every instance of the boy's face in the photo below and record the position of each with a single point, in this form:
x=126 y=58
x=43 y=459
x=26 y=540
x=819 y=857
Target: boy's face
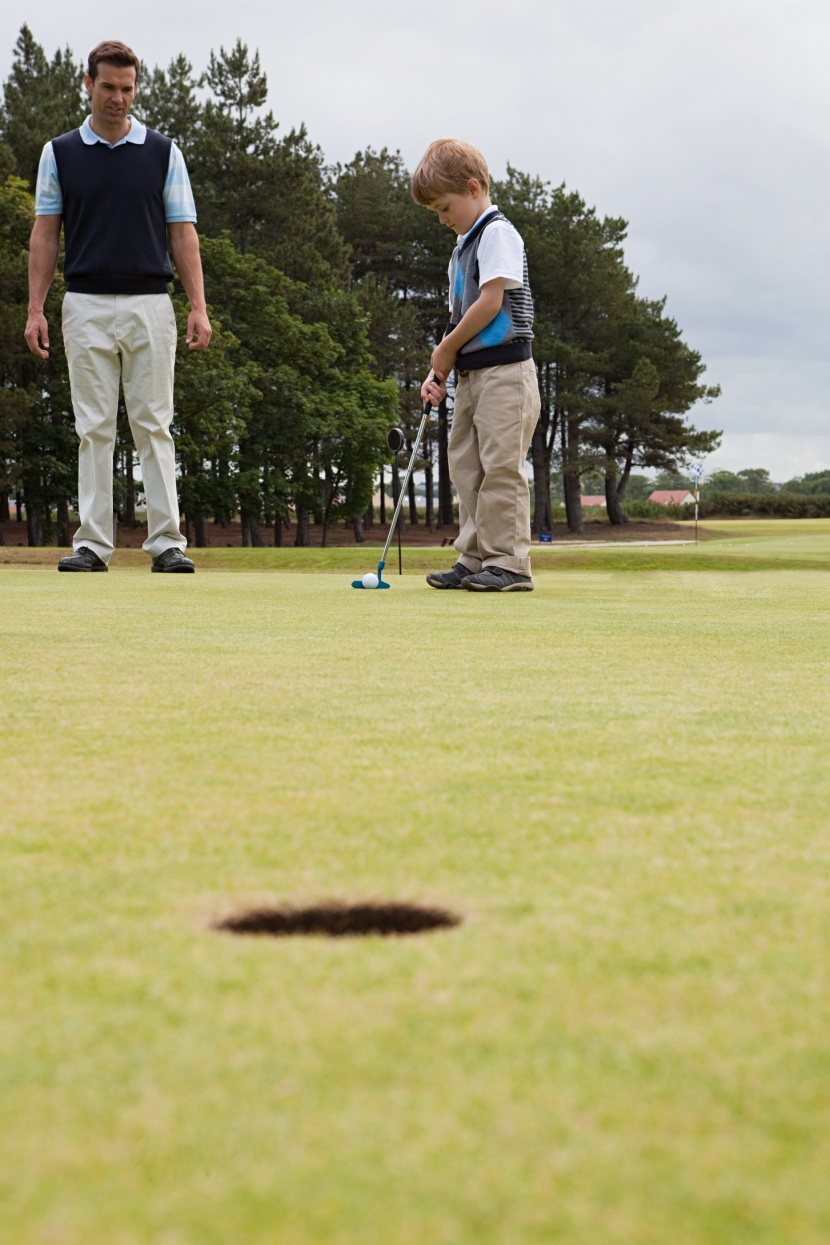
x=460 y=211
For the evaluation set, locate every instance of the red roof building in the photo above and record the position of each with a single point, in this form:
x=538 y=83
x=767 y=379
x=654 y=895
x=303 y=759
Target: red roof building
x=671 y=496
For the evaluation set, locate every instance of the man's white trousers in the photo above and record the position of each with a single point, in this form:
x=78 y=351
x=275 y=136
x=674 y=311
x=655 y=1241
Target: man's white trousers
x=128 y=339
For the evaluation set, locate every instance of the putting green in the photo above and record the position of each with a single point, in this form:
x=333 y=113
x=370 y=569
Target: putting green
x=621 y=783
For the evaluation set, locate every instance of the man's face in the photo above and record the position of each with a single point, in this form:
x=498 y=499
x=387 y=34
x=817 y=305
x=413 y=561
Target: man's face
x=459 y=211
x=111 y=93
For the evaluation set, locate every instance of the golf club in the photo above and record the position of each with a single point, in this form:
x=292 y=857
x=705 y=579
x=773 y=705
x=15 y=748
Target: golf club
x=366 y=581
x=395 y=441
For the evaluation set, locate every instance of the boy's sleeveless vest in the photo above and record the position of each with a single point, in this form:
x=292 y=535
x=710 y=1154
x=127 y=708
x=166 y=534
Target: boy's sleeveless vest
x=507 y=339
x=113 y=214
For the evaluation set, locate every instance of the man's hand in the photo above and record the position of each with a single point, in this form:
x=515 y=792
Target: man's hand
x=199 y=331
x=184 y=247
x=37 y=334
x=434 y=389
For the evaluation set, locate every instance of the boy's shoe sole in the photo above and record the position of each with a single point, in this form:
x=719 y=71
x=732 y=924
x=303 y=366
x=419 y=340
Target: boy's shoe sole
x=496 y=579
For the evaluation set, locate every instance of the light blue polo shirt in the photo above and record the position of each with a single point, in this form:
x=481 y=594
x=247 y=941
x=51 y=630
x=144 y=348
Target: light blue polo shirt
x=178 y=196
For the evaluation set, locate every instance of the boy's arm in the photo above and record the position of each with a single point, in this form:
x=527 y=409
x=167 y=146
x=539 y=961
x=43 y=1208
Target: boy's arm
x=483 y=311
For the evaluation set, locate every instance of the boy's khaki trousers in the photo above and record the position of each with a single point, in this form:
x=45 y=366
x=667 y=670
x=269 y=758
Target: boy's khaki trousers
x=131 y=339
x=496 y=410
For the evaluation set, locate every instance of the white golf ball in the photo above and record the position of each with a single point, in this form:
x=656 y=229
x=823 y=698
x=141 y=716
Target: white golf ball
x=370 y=580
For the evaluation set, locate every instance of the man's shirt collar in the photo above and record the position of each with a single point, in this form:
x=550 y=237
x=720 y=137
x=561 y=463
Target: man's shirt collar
x=136 y=134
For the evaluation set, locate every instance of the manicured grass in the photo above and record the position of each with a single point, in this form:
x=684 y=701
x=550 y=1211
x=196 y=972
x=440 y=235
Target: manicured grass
x=621 y=782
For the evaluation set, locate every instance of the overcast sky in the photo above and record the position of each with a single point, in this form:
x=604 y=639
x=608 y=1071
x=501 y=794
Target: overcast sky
x=702 y=122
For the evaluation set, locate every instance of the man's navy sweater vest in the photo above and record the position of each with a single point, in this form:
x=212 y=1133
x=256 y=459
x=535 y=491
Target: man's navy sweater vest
x=113 y=214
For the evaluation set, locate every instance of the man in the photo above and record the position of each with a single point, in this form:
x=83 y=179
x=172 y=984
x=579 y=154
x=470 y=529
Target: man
x=122 y=194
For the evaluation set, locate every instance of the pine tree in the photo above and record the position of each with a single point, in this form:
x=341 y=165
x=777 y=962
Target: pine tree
x=318 y=419
x=652 y=379
x=167 y=101
x=268 y=192
x=399 y=257
x=579 y=282
x=37 y=439
x=614 y=375
x=41 y=99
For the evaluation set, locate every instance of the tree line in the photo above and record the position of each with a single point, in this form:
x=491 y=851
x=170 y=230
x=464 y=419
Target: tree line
x=327 y=291
x=757 y=481
x=750 y=480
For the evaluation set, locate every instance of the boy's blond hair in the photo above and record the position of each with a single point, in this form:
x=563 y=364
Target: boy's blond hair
x=446 y=167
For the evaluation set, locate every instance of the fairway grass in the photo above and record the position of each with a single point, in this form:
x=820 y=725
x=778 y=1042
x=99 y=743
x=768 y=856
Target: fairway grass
x=726 y=545
x=620 y=782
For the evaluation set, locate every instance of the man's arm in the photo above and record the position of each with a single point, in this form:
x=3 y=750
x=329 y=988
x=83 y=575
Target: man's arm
x=184 y=247
x=483 y=311
x=43 y=260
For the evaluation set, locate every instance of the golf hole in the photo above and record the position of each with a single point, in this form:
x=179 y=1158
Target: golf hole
x=339 y=920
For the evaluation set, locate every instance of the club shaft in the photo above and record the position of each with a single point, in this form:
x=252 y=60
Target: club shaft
x=405 y=481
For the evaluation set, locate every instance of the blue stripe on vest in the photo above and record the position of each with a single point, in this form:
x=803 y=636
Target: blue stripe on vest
x=496 y=331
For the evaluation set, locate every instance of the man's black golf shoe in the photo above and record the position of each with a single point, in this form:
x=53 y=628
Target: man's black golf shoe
x=173 y=562
x=82 y=559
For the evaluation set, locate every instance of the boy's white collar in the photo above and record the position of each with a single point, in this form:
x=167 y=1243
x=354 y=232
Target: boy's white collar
x=487 y=212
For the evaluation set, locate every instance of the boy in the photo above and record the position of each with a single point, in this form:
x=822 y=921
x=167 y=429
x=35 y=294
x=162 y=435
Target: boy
x=497 y=395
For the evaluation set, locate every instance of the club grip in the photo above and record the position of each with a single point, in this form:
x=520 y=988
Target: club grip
x=428 y=405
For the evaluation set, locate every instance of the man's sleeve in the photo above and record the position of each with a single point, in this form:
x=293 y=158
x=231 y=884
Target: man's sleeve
x=48 y=194
x=178 y=197
x=501 y=254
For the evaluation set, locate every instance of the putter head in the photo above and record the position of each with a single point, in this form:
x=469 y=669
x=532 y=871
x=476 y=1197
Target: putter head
x=358 y=583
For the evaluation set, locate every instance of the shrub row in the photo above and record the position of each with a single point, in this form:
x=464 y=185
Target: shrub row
x=652 y=510
x=777 y=505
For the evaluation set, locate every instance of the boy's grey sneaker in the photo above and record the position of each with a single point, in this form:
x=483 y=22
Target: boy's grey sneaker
x=173 y=561
x=82 y=559
x=449 y=579
x=497 y=579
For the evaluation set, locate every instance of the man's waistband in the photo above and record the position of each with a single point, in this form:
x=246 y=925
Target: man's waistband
x=117 y=285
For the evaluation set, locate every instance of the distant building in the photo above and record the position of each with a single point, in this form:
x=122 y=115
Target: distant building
x=671 y=496
x=592 y=499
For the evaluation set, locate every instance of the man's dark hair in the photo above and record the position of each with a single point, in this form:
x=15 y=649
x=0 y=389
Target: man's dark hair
x=114 y=53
